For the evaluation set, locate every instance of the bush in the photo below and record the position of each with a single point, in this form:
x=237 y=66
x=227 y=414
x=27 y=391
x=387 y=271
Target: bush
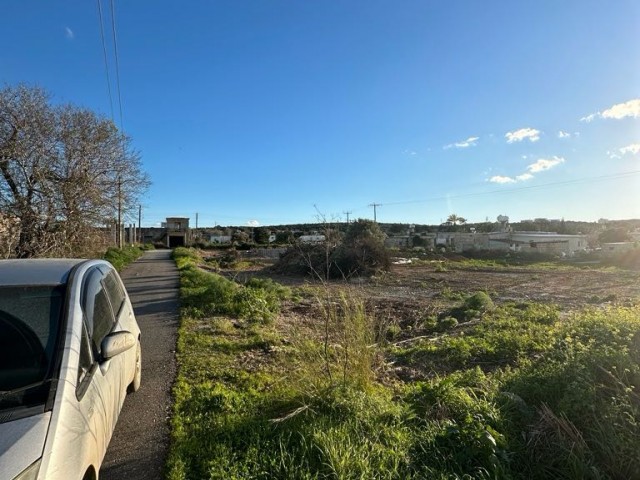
x=121 y=257
x=361 y=252
x=204 y=294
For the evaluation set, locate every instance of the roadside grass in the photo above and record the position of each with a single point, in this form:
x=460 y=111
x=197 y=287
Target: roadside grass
x=515 y=391
x=121 y=257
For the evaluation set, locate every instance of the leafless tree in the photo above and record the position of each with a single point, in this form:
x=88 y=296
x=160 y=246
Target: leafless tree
x=63 y=173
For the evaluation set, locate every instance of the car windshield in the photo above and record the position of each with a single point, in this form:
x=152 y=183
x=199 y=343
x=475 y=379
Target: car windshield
x=29 y=327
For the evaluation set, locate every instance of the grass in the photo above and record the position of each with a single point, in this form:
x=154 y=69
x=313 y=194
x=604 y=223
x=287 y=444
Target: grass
x=515 y=391
x=121 y=257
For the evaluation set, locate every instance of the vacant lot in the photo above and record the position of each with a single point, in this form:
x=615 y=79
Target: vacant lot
x=436 y=369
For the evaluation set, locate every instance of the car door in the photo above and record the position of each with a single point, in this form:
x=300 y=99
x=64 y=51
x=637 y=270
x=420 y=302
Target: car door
x=124 y=320
x=102 y=384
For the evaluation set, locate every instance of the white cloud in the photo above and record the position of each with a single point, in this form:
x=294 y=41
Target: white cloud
x=630 y=108
x=622 y=110
x=539 y=165
x=500 y=179
x=543 y=164
x=469 y=142
x=524 y=177
x=253 y=223
x=633 y=149
x=612 y=155
x=563 y=134
x=531 y=134
x=589 y=118
x=69 y=33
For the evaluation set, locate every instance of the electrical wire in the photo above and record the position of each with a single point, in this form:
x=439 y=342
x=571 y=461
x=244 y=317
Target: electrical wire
x=115 y=51
x=106 y=62
x=511 y=190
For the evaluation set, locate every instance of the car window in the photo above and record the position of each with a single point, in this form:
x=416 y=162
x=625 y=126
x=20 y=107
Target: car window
x=29 y=329
x=114 y=290
x=97 y=309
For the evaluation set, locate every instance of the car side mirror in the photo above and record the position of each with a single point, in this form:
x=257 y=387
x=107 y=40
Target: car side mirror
x=115 y=343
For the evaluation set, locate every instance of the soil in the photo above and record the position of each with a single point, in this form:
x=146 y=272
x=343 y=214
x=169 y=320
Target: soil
x=411 y=291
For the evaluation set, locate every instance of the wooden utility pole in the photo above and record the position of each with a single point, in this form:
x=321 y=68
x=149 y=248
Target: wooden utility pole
x=347 y=214
x=119 y=238
x=374 y=205
x=140 y=222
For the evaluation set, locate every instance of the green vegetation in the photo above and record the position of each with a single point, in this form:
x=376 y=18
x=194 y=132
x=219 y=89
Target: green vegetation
x=511 y=391
x=359 y=252
x=204 y=294
x=121 y=257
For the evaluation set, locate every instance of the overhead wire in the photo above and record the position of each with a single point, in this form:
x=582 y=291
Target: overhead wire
x=511 y=190
x=115 y=52
x=106 y=61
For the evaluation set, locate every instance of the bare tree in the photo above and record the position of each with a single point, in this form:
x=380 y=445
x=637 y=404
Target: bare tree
x=63 y=172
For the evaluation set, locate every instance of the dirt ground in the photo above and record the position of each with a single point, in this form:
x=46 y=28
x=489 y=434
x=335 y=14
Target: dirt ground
x=408 y=292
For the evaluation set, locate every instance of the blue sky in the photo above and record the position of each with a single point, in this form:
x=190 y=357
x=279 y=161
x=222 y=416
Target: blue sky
x=268 y=112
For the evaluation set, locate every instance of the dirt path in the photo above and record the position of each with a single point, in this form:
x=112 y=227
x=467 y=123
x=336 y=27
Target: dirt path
x=140 y=442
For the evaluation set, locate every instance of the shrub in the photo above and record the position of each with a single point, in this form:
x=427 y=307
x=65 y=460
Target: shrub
x=121 y=257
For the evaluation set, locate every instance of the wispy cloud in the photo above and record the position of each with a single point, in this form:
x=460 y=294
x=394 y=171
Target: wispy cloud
x=469 y=142
x=543 y=164
x=524 y=177
x=69 y=33
x=539 y=165
x=253 y=223
x=589 y=118
x=633 y=149
x=563 y=134
x=630 y=108
x=501 y=179
x=530 y=134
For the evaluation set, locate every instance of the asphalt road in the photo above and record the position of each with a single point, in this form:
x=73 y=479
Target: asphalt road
x=140 y=442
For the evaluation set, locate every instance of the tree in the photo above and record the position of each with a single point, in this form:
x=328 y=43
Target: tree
x=613 y=235
x=362 y=252
x=454 y=219
x=261 y=235
x=64 y=172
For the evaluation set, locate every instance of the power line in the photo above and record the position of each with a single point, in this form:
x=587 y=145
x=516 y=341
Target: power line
x=510 y=190
x=106 y=62
x=115 y=51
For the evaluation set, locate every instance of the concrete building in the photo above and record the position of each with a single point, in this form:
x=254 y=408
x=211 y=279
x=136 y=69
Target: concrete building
x=177 y=229
x=616 y=248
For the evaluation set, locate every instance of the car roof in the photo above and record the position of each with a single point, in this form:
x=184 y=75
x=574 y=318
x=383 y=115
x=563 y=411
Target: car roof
x=40 y=271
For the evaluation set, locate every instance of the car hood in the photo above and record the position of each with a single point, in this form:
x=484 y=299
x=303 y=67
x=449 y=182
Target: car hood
x=21 y=443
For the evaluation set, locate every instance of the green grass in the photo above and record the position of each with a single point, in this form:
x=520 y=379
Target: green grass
x=522 y=391
x=121 y=257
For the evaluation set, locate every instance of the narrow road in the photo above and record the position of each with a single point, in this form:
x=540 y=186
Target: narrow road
x=140 y=442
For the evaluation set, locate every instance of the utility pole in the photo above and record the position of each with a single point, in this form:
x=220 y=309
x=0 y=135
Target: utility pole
x=374 y=205
x=119 y=238
x=347 y=214
x=140 y=222
x=197 y=236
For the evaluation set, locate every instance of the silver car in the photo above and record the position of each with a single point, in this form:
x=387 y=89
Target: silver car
x=69 y=352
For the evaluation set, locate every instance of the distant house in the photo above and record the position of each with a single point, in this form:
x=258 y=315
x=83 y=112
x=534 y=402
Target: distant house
x=313 y=238
x=615 y=248
x=177 y=231
x=540 y=242
x=220 y=238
